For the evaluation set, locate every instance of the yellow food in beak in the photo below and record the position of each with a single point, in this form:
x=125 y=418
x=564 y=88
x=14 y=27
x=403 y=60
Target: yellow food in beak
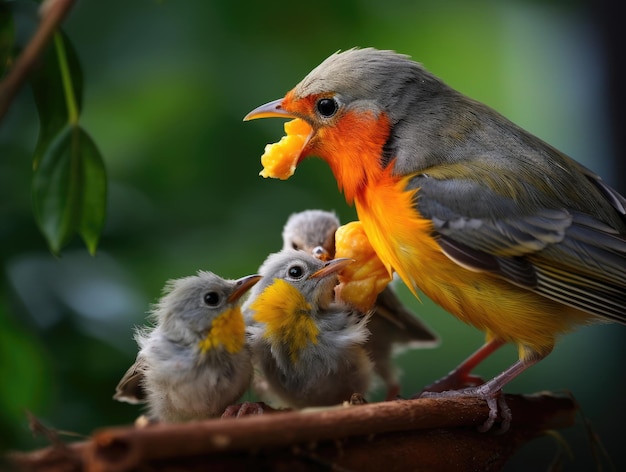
x=280 y=159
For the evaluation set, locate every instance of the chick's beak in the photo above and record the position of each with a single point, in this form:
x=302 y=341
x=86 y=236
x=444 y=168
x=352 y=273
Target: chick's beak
x=321 y=253
x=332 y=267
x=242 y=285
x=272 y=109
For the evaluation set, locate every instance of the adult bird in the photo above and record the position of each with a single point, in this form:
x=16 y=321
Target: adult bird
x=495 y=225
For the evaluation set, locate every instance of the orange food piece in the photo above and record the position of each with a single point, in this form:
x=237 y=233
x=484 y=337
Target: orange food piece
x=362 y=281
x=280 y=159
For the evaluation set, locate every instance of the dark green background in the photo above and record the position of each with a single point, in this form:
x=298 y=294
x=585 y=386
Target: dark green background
x=166 y=86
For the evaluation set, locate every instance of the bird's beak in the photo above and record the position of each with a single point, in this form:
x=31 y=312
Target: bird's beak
x=332 y=267
x=321 y=253
x=272 y=109
x=242 y=285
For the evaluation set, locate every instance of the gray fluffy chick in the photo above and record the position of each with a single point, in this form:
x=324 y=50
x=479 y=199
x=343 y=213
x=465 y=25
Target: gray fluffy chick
x=393 y=326
x=194 y=362
x=309 y=350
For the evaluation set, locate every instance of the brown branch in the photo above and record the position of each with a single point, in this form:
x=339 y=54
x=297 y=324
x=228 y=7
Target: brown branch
x=391 y=435
x=52 y=14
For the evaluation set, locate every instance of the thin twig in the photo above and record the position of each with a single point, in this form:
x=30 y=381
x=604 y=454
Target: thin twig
x=52 y=14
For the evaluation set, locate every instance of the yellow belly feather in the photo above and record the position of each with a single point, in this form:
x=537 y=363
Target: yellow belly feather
x=404 y=242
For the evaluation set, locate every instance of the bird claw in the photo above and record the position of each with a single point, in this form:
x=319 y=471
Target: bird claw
x=247 y=409
x=495 y=401
x=144 y=421
x=497 y=405
x=357 y=399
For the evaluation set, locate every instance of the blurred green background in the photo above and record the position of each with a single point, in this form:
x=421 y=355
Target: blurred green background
x=166 y=86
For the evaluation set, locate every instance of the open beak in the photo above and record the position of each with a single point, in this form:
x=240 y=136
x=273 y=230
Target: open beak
x=242 y=285
x=332 y=267
x=321 y=253
x=269 y=110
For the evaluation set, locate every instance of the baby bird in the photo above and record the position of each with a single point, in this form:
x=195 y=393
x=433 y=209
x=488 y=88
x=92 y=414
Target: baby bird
x=393 y=327
x=308 y=348
x=194 y=362
x=312 y=231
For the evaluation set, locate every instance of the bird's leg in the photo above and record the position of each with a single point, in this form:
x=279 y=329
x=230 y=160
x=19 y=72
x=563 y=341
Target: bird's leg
x=393 y=392
x=491 y=392
x=247 y=409
x=461 y=376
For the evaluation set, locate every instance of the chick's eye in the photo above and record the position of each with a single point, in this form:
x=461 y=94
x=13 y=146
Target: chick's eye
x=295 y=272
x=295 y=246
x=327 y=107
x=212 y=298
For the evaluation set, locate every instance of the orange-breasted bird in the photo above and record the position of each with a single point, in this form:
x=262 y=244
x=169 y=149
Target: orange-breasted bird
x=194 y=362
x=392 y=325
x=307 y=348
x=495 y=225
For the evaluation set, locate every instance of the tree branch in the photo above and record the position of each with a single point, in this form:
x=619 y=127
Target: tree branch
x=52 y=14
x=437 y=433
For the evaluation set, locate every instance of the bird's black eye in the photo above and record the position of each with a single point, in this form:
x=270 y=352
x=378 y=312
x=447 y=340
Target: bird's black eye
x=212 y=298
x=295 y=271
x=295 y=246
x=327 y=107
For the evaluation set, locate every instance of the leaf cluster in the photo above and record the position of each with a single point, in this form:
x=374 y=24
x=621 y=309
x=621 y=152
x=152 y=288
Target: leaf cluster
x=69 y=184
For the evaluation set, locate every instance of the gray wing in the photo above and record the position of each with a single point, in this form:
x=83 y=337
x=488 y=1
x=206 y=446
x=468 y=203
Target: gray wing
x=563 y=254
x=408 y=328
x=130 y=388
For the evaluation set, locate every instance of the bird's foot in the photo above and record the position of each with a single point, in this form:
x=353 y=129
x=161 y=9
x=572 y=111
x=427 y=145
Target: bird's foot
x=144 y=421
x=357 y=399
x=247 y=409
x=495 y=401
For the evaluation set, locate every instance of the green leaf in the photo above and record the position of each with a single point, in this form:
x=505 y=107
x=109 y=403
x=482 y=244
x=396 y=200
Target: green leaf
x=49 y=94
x=56 y=189
x=7 y=38
x=69 y=190
x=94 y=191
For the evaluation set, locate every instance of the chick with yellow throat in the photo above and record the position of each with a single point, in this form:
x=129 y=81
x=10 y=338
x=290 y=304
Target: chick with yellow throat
x=362 y=284
x=227 y=331
x=194 y=362
x=286 y=314
x=308 y=350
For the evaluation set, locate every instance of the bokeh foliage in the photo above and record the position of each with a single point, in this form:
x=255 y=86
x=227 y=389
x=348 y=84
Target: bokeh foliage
x=165 y=86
